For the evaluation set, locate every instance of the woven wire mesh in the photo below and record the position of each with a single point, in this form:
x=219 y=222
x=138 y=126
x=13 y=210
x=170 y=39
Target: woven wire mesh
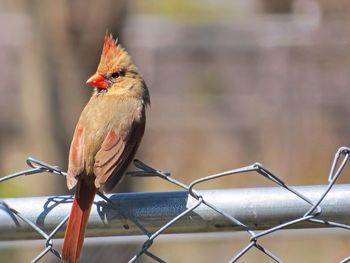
x=311 y=215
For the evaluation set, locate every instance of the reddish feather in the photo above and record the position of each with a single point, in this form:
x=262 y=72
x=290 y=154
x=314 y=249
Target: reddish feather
x=75 y=231
x=76 y=157
x=107 y=157
x=95 y=161
x=111 y=161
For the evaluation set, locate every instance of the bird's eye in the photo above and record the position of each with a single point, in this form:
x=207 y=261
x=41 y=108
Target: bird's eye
x=115 y=75
x=122 y=72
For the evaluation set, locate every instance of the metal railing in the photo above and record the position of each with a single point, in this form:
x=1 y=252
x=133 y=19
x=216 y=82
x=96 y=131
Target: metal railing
x=257 y=211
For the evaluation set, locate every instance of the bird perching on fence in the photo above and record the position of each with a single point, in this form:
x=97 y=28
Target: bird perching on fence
x=106 y=137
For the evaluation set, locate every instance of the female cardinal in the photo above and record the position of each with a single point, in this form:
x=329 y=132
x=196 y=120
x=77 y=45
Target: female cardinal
x=106 y=137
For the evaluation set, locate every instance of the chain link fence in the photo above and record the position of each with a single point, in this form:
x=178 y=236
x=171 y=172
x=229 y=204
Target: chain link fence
x=258 y=212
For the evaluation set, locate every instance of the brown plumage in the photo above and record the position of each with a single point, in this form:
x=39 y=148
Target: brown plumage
x=106 y=137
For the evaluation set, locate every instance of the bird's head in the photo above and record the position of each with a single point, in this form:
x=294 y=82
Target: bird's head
x=116 y=74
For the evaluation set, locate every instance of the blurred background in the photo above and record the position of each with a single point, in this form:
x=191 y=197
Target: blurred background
x=231 y=83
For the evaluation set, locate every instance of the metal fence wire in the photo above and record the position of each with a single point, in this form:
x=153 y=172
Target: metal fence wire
x=309 y=210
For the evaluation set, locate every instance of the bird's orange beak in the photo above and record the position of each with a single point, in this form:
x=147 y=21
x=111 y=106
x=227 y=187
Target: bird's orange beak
x=97 y=81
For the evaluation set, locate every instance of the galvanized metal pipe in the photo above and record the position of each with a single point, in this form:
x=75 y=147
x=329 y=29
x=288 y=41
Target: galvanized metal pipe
x=258 y=208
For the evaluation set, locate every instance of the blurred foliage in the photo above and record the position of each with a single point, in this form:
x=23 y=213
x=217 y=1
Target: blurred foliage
x=10 y=189
x=182 y=9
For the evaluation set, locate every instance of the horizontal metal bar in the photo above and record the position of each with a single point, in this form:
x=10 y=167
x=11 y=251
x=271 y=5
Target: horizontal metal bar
x=258 y=208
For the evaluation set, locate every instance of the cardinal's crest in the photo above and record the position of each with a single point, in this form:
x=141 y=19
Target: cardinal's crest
x=114 y=57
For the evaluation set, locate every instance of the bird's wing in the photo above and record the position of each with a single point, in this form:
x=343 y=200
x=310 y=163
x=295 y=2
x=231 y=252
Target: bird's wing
x=76 y=157
x=116 y=153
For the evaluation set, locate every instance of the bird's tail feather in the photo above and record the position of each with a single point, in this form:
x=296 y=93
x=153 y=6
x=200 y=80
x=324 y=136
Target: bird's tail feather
x=79 y=215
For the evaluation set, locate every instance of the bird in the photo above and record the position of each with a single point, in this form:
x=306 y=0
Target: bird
x=106 y=137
